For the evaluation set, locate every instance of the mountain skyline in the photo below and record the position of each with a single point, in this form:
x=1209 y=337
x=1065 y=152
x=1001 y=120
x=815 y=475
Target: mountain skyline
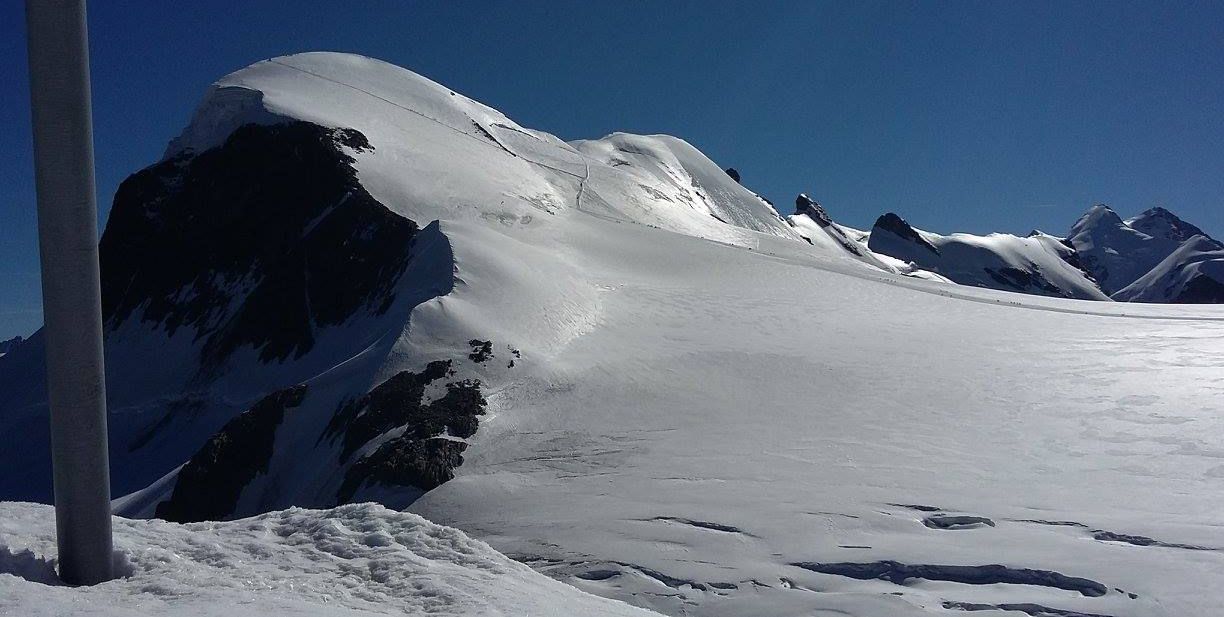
x=916 y=110
x=620 y=368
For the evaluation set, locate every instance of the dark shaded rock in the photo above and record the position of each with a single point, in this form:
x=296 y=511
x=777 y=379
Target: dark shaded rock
x=899 y=573
x=1038 y=521
x=405 y=461
x=897 y=226
x=1109 y=536
x=597 y=575
x=701 y=524
x=10 y=345
x=1201 y=289
x=209 y=485
x=916 y=506
x=734 y=173
x=1036 y=610
x=946 y=521
x=393 y=403
x=1025 y=281
x=428 y=450
x=816 y=212
x=1161 y=223
x=481 y=351
x=256 y=242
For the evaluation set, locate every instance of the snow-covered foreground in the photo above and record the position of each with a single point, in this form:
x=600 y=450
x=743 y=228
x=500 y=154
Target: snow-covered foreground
x=354 y=560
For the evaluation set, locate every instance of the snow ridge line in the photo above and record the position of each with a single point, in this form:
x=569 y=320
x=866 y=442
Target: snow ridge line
x=913 y=284
x=496 y=142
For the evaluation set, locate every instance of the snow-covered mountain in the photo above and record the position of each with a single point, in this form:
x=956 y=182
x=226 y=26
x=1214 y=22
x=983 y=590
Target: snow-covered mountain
x=1118 y=252
x=617 y=365
x=1194 y=273
x=1153 y=257
x=1039 y=264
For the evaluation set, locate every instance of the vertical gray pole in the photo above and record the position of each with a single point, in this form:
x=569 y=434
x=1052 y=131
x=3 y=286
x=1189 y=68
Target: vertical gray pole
x=72 y=311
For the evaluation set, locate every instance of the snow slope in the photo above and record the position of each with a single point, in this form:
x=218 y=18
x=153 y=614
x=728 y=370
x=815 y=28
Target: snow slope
x=685 y=406
x=354 y=560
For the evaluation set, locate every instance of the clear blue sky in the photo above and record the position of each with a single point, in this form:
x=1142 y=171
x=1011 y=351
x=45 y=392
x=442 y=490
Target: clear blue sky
x=960 y=116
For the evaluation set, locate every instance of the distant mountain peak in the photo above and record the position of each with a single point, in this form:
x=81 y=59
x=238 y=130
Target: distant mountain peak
x=1099 y=215
x=897 y=226
x=807 y=205
x=1161 y=223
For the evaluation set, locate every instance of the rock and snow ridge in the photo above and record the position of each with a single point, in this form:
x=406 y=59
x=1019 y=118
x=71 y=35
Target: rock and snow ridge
x=614 y=363
x=1153 y=257
x=1039 y=264
x=1119 y=253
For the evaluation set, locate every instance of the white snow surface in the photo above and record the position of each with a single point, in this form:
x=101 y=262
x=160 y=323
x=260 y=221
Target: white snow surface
x=359 y=559
x=702 y=403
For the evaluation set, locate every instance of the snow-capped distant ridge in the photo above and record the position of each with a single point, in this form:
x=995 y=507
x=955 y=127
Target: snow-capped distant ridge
x=1192 y=274
x=1161 y=223
x=1038 y=264
x=1118 y=253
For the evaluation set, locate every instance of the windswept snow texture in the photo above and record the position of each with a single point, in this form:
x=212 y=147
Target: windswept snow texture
x=351 y=561
x=1039 y=264
x=699 y=399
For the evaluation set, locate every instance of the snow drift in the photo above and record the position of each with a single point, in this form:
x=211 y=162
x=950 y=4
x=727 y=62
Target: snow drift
x=350 y=561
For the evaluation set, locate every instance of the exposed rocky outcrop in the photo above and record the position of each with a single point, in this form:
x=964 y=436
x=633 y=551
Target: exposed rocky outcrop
x=898 y=573
x=258 y=242
x=210 y=483
x=426 y=449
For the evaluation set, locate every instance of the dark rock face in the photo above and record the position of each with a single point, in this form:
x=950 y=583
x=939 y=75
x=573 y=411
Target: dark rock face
x=734 y=173
x=209 y=485
x=423 y=456
x=424 y=464
x=897 y=226
x=1160 y=223
x=1027 y=281
x=10 y=345
x=1109 y=536
x=1036 y=610
x=955 y=522
x=897 y=573
x=816 y=212
x=1202 y=289
x=481 y=351
x=257 y=242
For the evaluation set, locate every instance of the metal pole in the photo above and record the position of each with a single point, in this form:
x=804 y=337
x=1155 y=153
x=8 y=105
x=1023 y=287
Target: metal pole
x=72 y=311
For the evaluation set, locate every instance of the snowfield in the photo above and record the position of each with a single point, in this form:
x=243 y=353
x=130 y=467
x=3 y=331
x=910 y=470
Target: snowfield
x=354 y=560
x=685 y=406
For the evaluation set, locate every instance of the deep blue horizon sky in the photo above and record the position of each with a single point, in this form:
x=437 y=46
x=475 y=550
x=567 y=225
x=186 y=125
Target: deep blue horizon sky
x=976 y=117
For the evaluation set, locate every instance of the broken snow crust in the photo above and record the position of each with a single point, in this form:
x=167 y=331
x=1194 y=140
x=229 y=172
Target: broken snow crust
x=354 y=560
